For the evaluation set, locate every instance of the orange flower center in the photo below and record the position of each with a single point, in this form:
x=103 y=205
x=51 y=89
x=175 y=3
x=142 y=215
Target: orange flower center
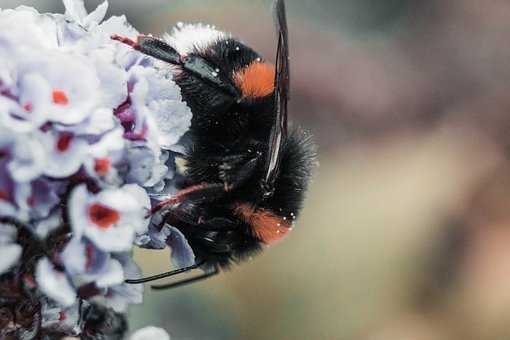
x=60 y=97
x=102 y=166
x=102 y=216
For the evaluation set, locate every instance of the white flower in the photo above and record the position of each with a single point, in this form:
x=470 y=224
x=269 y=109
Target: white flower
x=75 y=11
x=23 y=153
x=83 y=259
x=31 y=116
x=10 y=251
x=120 y=296
x=158 y=238
x=110 y=218
x=39 y=31
x=157 y=100
x=54 y=284
x=150 y=333
x=87 y=130
x=70 y=98
x=65 y=151
x=105 y=156
x=145 y=169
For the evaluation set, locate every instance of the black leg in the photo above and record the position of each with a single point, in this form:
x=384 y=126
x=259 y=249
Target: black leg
x=201 y=277
x=164 y=275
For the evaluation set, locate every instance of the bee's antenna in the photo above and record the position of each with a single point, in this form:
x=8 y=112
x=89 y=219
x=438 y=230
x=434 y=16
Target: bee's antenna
x=193 y=63
x=164 y=275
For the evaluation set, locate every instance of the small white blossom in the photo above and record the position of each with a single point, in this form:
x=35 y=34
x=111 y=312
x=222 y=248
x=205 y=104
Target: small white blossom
x=11 y=251
x=54 y=284
x=110 y=218
x=150 y=333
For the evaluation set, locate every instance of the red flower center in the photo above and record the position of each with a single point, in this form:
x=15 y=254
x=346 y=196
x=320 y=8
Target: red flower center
x=60 y=97
x=28 y=107
x=102 y=216
x=64 y=141
x=31 y=200
x=4 y=195
x=102 y=166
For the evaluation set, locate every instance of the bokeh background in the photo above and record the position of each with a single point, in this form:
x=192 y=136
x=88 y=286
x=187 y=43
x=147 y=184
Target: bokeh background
x=406 y=230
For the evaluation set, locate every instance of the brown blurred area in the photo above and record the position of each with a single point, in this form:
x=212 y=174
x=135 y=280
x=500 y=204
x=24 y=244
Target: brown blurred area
x=406 y=230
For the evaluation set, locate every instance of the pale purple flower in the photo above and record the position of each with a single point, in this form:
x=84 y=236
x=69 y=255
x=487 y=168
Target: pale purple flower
x=86 y=263
x=54 y=283
x=65 y=152
x=69 y=99
x=144 y=168
x=159 y=238
x=10 y=250
x=76 y=12
x=88 y=131
x=39 y=31
x=120 y=296
x=110 y=218
x=43 y=198
x=22 y=154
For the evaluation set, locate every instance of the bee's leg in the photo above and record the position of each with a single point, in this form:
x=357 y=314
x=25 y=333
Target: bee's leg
x=198 y=192
x=176 y=284
x=180 y=217
x=164 y=275
x=234 y=175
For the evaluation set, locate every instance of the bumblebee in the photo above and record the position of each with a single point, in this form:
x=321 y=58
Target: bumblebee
x=246 y=171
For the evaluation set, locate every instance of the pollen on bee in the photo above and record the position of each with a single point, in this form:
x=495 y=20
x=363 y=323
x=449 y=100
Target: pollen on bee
x=256 y=80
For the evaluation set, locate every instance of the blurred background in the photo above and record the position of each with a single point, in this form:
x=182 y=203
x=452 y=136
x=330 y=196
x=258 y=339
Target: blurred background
x=406 y=230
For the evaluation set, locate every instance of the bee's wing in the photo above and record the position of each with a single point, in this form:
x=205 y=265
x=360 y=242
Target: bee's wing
x=282 y=80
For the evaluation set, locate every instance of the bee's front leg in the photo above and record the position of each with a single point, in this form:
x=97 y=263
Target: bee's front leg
x=234 y=175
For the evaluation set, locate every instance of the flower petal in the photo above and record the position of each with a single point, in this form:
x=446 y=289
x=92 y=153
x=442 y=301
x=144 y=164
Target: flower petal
x=182 y=253
x=54 y=284
x=11 y=253
x=75 y=10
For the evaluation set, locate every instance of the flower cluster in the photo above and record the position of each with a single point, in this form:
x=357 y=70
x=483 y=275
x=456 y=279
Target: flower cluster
x=88 y=131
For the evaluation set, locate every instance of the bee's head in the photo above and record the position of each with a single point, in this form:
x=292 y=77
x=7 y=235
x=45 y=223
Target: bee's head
x=223 y=81
x=220 y=75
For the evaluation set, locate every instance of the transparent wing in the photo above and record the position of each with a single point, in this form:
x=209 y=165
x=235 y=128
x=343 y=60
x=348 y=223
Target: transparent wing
x=282 y=80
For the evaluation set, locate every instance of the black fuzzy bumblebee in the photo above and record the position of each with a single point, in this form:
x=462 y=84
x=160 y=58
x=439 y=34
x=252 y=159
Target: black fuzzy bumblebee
x=246 y=173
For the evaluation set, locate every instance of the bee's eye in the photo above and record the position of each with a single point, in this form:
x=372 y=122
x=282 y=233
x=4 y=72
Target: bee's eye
x=256 y=80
